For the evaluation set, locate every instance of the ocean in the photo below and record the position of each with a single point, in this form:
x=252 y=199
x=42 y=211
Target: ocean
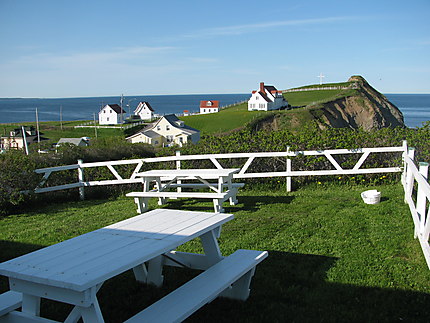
x=415 y=107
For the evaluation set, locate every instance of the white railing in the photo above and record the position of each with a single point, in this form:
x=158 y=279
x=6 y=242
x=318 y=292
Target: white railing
x=417 y=196
x=248 y=159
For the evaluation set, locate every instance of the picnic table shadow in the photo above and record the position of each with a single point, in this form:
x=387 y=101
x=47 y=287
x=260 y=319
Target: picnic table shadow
x=245 y=203
x=286 y=287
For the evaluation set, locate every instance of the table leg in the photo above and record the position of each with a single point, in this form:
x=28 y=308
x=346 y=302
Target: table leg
x=211 y=247
x=155 y=271
x=31 y=304
x=92 y=314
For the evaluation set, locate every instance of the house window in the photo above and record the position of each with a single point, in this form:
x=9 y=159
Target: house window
x=204 y=110
x=156 y=142
x=107 y=119
x=158 y=127
x=167 y=127
x=257 y=97
x=104 y=111
x=181 y=140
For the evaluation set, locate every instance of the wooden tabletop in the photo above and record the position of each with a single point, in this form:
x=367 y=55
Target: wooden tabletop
x=203 y=173
x=90 y=259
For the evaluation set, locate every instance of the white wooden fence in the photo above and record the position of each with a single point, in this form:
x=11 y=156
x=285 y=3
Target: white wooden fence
x=414 y=179
x=248 y=159
x=417 y=196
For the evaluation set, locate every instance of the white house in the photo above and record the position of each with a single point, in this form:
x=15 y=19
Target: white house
x=166 y=131
x=209 y=106
x=144 y=111
x=111 y=114
x=266 y=98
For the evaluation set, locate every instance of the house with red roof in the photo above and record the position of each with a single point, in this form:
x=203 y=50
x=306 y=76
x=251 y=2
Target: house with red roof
x=211 y=106
x=266 y=98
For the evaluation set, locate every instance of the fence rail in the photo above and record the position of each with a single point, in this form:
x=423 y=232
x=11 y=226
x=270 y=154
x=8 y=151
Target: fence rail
x=250 y=159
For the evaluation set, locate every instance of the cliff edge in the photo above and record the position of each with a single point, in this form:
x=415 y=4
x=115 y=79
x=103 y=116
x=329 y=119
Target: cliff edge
x=366 y=109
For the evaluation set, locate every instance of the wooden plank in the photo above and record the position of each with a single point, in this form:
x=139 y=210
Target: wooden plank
x=56 y=188
x=177 y=194
x=184 y=301
x=19 y=317
x=320 y=172
x=9 y=301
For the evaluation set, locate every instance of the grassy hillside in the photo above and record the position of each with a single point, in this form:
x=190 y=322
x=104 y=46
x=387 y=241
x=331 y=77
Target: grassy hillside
x=238 y=116
x=224 y=121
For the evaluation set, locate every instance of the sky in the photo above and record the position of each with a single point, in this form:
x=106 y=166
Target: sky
x=87 y=48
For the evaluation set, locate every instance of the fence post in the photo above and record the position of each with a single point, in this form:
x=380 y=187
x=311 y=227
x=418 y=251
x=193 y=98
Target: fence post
x=404 y=154
x=178 y=166
x=81 y=180
x=421 y=197
x=288 y=178
x=409 y=177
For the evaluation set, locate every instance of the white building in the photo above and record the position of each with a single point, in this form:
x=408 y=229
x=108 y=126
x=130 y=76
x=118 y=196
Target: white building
x=166 y=131
x=111 y=114
x=144 y=111
x=266 y=98
x=209 y=106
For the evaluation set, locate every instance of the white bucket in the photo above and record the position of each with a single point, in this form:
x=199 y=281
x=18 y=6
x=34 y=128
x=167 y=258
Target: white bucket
x=371 y=197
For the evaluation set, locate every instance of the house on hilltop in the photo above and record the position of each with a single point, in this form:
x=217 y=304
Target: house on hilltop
x=111 y=114
x=209 y=106
x=144 y=111
x=266 y=98
x=167 y=131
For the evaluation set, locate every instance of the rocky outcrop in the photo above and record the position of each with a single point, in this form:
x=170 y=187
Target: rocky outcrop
x=366 y=108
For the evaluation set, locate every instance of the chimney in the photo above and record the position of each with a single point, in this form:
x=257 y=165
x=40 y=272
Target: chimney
x=262 y=87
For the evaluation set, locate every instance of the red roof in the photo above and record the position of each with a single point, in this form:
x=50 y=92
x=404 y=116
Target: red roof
x=209 y=104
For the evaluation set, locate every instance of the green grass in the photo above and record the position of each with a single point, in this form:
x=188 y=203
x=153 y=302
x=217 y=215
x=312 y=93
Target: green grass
x=331 y=257
x=226 y=120
x=299 y=99
x=53 y=130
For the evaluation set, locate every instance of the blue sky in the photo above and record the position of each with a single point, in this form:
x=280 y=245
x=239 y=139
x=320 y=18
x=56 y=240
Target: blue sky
x=101 y=48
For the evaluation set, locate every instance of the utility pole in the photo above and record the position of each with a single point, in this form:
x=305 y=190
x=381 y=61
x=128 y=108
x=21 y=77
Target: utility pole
x=37 y=129
x=95 y=125
x=24 y=139
x=61 y=117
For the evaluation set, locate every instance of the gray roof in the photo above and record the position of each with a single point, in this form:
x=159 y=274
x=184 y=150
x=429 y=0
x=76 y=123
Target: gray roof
x=172 y=119
x=150 y=134
x=74 y=141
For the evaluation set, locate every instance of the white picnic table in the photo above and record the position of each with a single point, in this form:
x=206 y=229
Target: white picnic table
x=221 y=188
x=74 y=270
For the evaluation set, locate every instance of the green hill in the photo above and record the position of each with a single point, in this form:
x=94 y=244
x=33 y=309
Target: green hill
x=238 y=116
x=353 y=104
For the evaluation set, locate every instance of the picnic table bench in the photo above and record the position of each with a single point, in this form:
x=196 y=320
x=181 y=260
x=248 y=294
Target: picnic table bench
x=220 y=191
x=74 y=270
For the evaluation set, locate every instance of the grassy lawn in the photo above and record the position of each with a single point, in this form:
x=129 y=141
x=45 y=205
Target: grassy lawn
x=226 y=120
x=331 y=257
x=53 y=130
x=310 y=97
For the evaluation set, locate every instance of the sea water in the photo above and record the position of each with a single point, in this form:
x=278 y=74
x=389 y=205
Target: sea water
x=415 y=107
